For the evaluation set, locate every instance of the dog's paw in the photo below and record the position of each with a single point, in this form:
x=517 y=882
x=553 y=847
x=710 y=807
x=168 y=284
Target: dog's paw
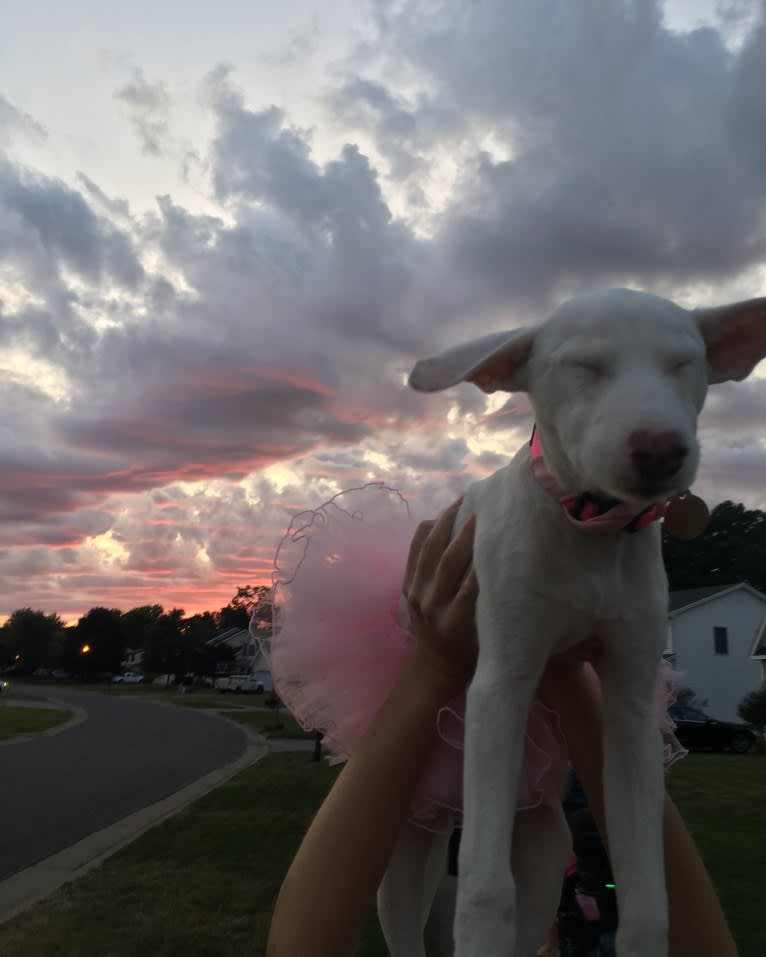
x=485 y=921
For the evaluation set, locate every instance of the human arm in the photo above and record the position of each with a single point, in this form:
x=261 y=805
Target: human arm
x=331 y=883
x=697 y=925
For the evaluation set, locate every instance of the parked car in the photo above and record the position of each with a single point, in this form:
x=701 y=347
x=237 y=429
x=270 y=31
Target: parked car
x=239 y=684
x=697 y=731
x=41 y=673
x=129 y=678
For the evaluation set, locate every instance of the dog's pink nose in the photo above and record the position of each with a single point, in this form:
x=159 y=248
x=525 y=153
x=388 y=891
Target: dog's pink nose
x=657 y=455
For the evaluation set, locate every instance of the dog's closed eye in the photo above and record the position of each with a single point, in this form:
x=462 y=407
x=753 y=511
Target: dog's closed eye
x=678 y=364
x=594 y=366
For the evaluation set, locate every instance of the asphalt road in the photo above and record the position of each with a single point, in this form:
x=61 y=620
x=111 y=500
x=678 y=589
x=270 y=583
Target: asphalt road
x=56 y=790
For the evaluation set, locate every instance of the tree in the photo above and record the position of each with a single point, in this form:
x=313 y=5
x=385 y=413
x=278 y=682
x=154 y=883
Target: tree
x=31 y=639
x=238 y=612
x=96 y=645
x=197 y=631
x=731 y=550
x=752 y=708
x=140 y=624
x=165 y=651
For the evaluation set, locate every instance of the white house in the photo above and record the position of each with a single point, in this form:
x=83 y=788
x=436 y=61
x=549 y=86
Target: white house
x=759 y=651
x=133 y=659
x=717 y=639
x=248 y=657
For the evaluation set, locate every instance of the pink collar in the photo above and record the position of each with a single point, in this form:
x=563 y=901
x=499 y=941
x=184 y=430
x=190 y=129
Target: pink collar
x=591 y=513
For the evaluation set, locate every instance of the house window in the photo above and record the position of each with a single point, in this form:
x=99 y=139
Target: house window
x=721 y=640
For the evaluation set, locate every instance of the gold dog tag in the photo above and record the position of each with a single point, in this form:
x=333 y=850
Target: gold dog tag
x=686 y=516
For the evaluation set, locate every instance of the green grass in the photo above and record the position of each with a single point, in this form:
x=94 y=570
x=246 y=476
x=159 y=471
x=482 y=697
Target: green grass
x=273 y=725
x=204 y=883
x=722 y=799
x=208 y=703
x=201 y=885
x=13 y=694
x=15 y=721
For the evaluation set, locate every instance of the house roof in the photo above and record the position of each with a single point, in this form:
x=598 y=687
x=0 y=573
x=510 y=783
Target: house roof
x=685 y=598
x=759 y=645
x=228 y=637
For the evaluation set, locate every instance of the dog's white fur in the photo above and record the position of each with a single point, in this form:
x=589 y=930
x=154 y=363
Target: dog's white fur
x=604 y=368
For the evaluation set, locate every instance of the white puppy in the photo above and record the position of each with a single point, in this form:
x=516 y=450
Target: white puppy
x=617 y=380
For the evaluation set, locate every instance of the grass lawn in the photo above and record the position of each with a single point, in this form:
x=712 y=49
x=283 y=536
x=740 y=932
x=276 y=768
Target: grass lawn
x=200 y=885
x=204 y=883
x=23 y=694
x=272 y=725
x=207 y=703
x=15 y=721
x=722 y=799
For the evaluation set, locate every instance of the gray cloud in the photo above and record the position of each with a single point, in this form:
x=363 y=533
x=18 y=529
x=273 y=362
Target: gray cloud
x=148 y=107
x=45 y=224
x=14 y=121
x=622 y=166
x=280 y=327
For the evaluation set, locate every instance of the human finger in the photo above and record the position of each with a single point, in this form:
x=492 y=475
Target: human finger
x=433 y=549
x=421 y=534
x=454 y=564
x=469 y=588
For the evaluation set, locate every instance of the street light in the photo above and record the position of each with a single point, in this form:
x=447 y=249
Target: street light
x=85 y=650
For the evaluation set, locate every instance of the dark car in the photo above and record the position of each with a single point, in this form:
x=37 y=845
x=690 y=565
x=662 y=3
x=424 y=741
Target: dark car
x=697 y=731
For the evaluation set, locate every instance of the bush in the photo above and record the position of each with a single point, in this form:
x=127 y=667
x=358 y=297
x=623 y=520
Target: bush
x=752 y=708
x=688 y=698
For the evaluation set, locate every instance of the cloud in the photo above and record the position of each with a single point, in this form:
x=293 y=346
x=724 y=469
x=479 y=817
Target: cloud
x=178 y=380
x=14 y=121
x=46 y=226
x=300 y=46
x=624 y=152
x=148 y=106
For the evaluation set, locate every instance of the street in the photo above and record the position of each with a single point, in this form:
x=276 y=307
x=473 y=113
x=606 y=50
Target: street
x=128 y=754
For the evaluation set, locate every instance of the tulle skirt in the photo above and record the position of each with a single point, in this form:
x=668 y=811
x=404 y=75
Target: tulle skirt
x=340 y=638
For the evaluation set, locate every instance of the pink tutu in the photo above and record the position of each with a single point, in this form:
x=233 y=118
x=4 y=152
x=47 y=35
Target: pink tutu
x=340 y=639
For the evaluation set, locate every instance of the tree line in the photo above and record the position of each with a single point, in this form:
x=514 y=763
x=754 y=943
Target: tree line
x=731 y=550
x=172 y=643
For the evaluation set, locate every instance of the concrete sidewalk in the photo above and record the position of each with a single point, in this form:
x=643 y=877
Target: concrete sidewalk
x=33 y=884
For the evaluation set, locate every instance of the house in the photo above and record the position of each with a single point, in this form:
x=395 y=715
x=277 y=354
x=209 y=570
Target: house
x=759 y=651
x=717 y=639
x=248 y=656
x=133 y=659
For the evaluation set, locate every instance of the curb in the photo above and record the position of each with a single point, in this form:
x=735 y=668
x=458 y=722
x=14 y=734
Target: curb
x=78 y=715
x=39 y=881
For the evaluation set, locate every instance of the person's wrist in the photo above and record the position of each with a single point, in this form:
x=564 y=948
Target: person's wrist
x=440 y=682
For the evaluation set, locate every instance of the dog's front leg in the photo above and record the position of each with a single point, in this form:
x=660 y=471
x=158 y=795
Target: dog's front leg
x=512 y=655
x=634 y=788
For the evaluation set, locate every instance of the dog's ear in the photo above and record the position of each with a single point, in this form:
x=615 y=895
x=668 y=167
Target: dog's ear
x=497 y=361
x=735 y=337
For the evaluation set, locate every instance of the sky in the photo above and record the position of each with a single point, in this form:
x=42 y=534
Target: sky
x=227 y=232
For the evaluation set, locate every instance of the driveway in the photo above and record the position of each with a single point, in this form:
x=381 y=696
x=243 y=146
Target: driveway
x=56 y=790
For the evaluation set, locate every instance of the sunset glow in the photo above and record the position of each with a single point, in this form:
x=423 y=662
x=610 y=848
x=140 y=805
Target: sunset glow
x=225 y=242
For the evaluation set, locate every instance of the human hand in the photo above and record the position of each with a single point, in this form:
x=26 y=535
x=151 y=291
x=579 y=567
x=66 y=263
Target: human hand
x=440 y=586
